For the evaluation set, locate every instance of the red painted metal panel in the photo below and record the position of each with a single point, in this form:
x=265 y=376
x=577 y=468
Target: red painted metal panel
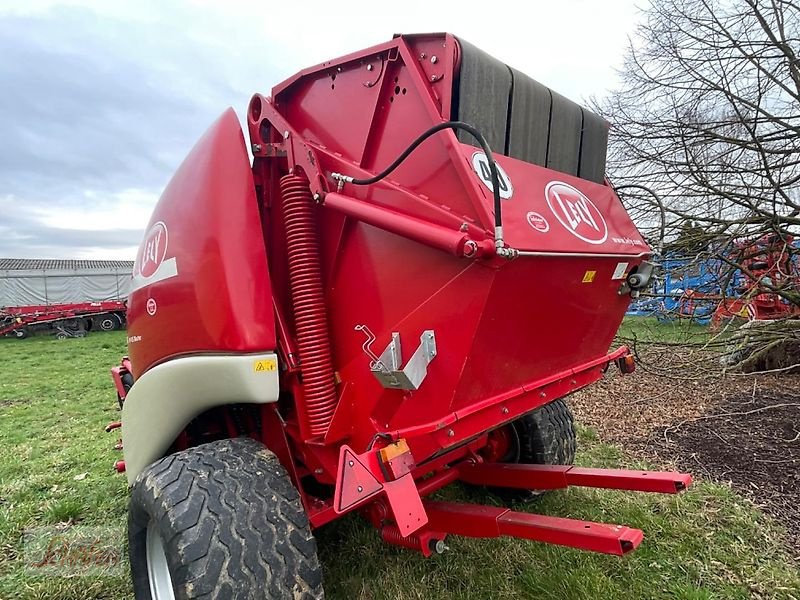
x=406 y=505
x=116 y=377
x=200 y=279
x=550 y=211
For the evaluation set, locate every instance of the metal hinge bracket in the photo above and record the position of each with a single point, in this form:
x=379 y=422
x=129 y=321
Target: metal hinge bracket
x=386 y=367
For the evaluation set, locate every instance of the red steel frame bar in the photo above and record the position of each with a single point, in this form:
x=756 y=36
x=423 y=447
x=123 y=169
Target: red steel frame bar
x=421 y=231
x=552 y=477
x=490 y=521
x=480 y=409
x=437 y=481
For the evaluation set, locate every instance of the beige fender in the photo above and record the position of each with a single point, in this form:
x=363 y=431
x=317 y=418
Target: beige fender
x=166 y=398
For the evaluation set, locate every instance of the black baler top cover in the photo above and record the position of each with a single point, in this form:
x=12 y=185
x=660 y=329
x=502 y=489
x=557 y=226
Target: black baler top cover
x=524 y=119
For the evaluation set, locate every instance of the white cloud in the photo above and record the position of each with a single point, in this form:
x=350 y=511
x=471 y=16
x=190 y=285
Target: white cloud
x=120 y=91
x=124 y=209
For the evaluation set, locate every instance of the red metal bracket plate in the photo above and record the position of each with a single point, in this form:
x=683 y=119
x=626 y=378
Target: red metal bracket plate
x=407 y=508
x=360 y=480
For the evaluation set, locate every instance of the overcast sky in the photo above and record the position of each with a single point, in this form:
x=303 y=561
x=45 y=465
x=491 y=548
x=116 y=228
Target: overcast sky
x=100 y=101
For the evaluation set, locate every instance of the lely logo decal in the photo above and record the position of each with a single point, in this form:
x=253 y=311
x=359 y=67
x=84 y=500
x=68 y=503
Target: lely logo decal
x=152 y=264
x=538 y=222
x=576 y=212
x=481 y=165
x=153 y=249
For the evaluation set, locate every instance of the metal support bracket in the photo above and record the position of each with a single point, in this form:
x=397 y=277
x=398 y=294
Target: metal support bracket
x=386 y=367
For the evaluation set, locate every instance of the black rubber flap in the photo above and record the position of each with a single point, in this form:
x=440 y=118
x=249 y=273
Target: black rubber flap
x=482 y=94
x=526 y=120
x=530 y=120
x=564 y=145
x=594 y=143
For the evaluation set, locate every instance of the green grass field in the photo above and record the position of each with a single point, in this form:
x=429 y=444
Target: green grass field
x=648 y=329
x=56 y=467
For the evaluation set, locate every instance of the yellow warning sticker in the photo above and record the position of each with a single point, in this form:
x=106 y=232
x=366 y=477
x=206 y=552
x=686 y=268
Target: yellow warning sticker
x=264 y=365
x=588 y=277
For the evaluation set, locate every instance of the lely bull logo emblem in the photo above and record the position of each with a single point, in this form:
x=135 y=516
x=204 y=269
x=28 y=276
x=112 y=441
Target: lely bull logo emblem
x=152 y=264
x=153 y=250
x=576 y=212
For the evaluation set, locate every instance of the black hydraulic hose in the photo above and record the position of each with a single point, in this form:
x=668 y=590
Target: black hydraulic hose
x=498 y=219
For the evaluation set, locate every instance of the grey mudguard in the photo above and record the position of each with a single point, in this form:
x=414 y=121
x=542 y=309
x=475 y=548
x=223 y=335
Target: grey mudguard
x=166 y=398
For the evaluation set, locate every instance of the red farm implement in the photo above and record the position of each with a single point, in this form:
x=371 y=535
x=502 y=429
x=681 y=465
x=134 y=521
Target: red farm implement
x=63 y=320
x=768 y=266
x=380 y=306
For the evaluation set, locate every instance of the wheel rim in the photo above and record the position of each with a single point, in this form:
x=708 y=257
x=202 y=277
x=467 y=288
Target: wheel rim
x=107 y=324
x=19 y=333
x=502 y=445
x=157 y=569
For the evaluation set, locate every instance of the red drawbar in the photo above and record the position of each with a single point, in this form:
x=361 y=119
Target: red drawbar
x=489 y=521
x=552 y=477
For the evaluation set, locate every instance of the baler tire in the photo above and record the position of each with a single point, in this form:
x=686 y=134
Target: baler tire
x=546 y=437
x=230 y=522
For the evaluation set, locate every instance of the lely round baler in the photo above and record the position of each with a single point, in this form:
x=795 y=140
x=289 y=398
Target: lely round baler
x=421 y=261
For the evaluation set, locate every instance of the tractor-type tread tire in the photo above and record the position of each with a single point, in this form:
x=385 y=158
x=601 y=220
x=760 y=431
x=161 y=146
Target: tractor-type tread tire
x=546 y=437
x=231 y=522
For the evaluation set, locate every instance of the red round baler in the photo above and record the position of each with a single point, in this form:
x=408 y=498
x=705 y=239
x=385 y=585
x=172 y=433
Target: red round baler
x=421 y=261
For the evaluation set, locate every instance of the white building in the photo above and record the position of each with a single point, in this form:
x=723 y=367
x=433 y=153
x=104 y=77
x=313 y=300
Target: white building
x=26 y=282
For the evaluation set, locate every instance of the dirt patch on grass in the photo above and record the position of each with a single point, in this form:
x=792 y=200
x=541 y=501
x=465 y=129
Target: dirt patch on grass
x=742 y=430
x=754 y=443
